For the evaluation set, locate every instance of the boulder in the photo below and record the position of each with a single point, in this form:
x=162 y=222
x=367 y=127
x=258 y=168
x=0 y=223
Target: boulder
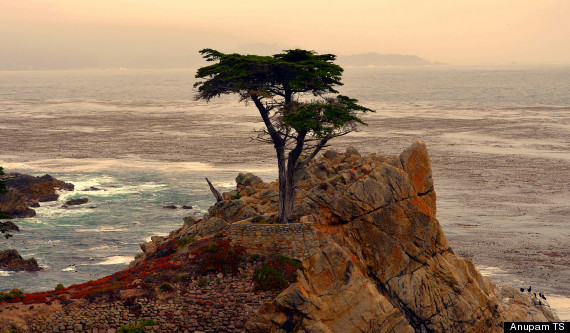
x=9 y=226
x=11 y=260
x=76 y=202
x=247 y=179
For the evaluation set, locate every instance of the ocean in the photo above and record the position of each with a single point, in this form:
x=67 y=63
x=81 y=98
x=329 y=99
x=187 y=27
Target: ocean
x=499 y=142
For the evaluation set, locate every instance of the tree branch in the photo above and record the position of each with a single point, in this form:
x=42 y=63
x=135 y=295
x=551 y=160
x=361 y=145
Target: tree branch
x=277 y=139
x=314 y=153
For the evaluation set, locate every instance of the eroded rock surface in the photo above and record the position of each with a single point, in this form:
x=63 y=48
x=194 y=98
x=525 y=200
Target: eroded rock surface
x=381 y=211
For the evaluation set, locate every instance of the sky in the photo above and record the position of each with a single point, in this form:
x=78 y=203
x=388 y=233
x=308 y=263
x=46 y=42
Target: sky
x=168 y=33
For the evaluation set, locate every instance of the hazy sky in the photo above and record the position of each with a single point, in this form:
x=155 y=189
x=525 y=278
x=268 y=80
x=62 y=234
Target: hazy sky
x=134 y=33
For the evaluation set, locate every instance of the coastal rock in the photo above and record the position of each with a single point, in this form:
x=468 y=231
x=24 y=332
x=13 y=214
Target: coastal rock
x=232 y=210
x=10 y=226
x=190 y=220
x=91 y=188
x=14 y=204
x=76 y=202
x=11 y=260
x=381 y=211
x=247 y=179
x=332 y=295
x=27 y=191
x=39 y=188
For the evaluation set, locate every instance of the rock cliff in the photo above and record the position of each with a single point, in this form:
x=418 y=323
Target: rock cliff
x=381 y=263
x=387 y=250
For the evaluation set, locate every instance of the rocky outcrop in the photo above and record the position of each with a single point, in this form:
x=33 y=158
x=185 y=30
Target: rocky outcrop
x=380 y=263
x=15 y=205
x=27 y=191
x=11 y=260
x=381 y=213
x=39 y=188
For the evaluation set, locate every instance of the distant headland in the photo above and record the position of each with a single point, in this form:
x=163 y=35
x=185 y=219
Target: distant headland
x=375 y=59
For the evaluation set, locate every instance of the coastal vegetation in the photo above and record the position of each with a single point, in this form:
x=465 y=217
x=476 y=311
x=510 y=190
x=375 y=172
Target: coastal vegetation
x=297 y=127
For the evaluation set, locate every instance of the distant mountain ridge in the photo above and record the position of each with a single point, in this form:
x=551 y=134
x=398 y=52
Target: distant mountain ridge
x=375 y=59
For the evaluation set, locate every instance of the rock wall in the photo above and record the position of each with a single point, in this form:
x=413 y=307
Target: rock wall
x=296 y=240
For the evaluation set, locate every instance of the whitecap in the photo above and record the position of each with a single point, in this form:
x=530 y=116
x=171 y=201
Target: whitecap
x=4 y=273
x=114 y=260
x=99 y=248
x=70 y=269
x=100 y=229
x=161 y=234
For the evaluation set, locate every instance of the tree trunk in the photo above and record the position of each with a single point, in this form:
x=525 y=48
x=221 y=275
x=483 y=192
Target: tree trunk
x=289 y=196
x=282 y=183
x=292 y=158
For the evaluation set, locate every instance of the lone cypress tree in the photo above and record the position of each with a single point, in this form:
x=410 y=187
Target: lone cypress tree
x=297 y=127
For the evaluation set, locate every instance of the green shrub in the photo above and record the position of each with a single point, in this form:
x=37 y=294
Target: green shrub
x=183 y=277
x=268 y=278
x=184 y=241
x=236 y=196
x=276 y=273
x=59 y=286
x=254 y=256
x=219 y=235
x=12 y=294
x=136 y=327
x=166 y=287
x=202 y=281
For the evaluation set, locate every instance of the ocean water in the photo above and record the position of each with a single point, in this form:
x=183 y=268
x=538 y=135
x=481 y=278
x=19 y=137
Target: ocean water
x=499 y=141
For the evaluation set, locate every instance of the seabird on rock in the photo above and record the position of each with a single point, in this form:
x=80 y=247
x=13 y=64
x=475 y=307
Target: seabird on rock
x=529 y=288
x=522 y=290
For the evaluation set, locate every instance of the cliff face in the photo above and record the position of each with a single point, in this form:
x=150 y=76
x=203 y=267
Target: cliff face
x=386 y=265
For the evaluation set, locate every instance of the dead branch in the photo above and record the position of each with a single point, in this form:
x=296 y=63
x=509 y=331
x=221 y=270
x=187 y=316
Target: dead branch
x=215 y=192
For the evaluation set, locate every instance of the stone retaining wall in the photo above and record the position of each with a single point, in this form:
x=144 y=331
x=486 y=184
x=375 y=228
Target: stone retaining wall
x=295 y=240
